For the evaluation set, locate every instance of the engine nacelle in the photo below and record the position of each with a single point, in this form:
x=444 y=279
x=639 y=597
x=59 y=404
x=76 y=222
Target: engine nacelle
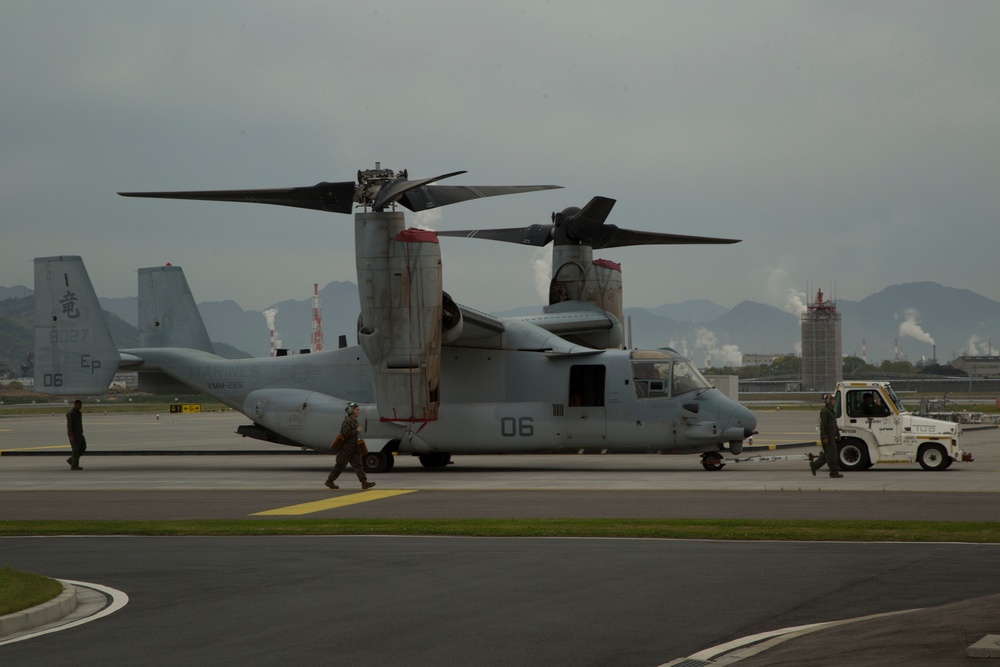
x=399 y=283
x=577 y=276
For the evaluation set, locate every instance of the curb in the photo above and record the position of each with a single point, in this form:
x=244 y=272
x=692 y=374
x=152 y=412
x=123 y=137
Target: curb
x=48 y=612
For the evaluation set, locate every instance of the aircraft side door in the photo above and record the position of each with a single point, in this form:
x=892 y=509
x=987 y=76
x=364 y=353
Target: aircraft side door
x=586 y=412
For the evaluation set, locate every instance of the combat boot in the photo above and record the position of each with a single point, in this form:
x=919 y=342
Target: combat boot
x=367 y=485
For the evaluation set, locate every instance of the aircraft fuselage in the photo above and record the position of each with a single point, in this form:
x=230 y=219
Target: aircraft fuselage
x=491 y=401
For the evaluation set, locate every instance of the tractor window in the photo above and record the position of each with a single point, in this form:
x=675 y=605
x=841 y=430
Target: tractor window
x=895 y=399
x=866 y=403
x=854 y=403
x=586 y=386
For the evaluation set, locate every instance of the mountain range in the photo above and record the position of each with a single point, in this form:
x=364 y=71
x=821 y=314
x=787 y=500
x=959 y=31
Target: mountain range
x=913 y=321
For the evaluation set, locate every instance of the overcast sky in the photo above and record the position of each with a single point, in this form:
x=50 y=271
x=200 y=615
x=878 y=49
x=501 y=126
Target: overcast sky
x=852 y=145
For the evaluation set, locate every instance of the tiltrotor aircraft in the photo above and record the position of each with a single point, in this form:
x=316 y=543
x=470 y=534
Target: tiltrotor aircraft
x=433 y=378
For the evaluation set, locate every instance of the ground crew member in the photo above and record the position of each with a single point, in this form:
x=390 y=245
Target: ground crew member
x=829 y=434
x=74 y=430
x=349 y=451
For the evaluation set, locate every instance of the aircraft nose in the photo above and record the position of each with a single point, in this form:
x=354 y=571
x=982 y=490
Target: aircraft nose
x=742 y=416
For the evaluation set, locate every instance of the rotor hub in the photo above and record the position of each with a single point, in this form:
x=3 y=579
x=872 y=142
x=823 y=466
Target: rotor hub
x=371 y=181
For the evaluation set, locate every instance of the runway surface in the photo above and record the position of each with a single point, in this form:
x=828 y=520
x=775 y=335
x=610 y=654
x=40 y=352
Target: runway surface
x=423 y=601
x=119 y=482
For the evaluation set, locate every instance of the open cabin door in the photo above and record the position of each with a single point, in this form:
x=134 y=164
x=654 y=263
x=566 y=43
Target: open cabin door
x=586 y=414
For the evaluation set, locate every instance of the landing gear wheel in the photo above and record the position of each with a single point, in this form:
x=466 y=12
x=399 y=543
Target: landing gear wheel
x=933 y=457
x=853 y=455
x=435 y=459
x=378 y=461
x=712 y=462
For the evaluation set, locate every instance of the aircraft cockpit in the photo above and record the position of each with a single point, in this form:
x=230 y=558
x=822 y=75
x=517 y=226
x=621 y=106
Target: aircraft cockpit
x=664 y=373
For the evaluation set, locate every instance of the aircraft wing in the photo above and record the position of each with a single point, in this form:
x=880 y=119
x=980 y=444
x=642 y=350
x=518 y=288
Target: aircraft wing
x=480 y=330
x=572 y=317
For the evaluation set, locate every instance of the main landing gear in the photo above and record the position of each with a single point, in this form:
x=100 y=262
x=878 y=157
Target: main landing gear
x=379 y=461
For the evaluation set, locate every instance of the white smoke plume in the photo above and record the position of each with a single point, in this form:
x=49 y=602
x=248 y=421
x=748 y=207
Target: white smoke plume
x=978 y=346
x=269 y=315
x=541 y=271
x=911 y=329
x=427 y=220
x=716 y=355
x=681 y=346
x=777 y=286
x=795 y=302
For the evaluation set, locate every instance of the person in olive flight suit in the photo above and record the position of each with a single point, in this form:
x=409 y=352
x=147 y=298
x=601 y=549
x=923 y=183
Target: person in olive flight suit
x=74 y=430
x=829 y=434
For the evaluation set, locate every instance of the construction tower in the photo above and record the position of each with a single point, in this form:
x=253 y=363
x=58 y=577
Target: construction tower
x=822 y=361
x=316 y=344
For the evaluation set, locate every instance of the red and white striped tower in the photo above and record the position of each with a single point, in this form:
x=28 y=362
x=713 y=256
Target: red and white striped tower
x=317 y=322
x=864 y=351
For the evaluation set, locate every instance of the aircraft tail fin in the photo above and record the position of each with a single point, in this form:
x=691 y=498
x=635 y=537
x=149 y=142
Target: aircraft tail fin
x=74 y=351
x=168 y=315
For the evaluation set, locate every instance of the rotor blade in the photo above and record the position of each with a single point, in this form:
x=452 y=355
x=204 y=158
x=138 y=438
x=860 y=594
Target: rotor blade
x=596 y=211
x=393 y=191
x=433 y=196
x=583 y=226
x=332 y=197
x=614 y=237
x=535 y=235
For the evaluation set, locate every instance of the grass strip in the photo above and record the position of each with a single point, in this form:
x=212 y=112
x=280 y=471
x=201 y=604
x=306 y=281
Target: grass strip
x=21 y=590
x=709 y=529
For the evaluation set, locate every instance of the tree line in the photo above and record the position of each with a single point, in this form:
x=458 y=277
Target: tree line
x=789 y=366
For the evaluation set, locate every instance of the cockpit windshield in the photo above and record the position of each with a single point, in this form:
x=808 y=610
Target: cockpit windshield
x=687 y=378
x=659 y=374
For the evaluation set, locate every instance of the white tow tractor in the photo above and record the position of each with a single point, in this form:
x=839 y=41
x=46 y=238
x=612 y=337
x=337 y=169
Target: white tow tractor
x=875 y=427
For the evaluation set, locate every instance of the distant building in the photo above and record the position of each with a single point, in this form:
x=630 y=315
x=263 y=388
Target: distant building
x=822 y=361
x=982 y=366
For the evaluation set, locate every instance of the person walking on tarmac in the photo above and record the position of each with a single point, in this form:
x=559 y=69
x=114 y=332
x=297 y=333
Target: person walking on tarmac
x=829 y=434
x=74 y=430
x=349 y=450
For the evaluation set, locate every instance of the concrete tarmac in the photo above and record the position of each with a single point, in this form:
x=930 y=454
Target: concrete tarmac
x=118 y=482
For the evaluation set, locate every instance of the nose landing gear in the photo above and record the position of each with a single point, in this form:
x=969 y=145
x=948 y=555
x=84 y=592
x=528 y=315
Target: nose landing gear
x=712 y=461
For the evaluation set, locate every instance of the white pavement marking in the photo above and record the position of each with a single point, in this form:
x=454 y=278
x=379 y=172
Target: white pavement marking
x=118 y=600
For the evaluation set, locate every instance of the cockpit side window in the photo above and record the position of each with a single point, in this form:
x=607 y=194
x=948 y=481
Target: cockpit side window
x=651 y=377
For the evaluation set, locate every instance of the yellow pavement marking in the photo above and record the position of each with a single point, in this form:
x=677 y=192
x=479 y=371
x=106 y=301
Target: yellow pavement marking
x=29 y=449
x=333 y=503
